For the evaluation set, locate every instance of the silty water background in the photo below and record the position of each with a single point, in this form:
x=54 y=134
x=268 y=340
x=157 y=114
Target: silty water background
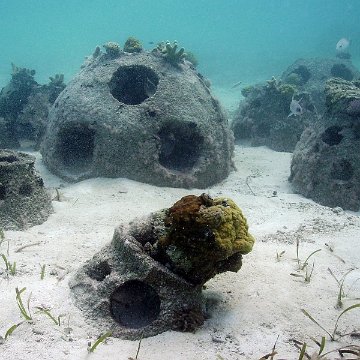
x=234 y=40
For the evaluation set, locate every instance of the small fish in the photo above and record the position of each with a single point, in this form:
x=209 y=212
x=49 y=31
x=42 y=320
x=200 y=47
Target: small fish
x=149 y=87
x=236 y=85
x=295 y=107
x=342 y=45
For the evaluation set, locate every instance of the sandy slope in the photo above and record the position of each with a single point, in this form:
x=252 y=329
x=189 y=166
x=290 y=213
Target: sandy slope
x=249 y=308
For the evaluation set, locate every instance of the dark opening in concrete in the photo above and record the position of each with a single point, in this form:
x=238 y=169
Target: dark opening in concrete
x=133 y=84
x=8 y=158
x=76 y=147
x=135 y=304
x=99 y=271
x=332 y=136
x=342 y=170
x=2 y=192
x=342 y=71
x=144 y=236
x=303 y=73
x=25 y=190
x=180 y=146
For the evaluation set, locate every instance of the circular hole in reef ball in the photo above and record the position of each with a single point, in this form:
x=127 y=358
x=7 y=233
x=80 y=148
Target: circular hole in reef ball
x=134 y=304
x=99 y=271
x=332 y=135
x=133 y=84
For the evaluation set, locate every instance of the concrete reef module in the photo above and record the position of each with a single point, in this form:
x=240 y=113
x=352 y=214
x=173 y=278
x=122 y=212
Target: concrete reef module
x=150 y=278
x=136 y=115
x=326 y=162
x=24 y=201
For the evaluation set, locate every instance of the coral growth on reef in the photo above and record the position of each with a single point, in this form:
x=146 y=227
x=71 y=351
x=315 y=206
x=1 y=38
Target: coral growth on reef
x=55 y=86
x=132 y=45
x=263 y=115
x=170 y=52
x=204 y=237
x=24 y=107
x=14 y=96
x=342 y=96
x=112 y=48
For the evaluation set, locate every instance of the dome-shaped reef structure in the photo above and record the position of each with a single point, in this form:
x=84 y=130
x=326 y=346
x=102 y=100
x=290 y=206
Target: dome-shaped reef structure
x=310 y=75
x=263 y=116
x=138 y=115
x=326 y=162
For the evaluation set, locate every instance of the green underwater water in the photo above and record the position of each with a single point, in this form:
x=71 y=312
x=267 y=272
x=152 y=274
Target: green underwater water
x=234 y=40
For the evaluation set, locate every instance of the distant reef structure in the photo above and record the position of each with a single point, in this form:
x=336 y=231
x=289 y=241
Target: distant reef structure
x=147 y=116
x=24 y=107
x=150 y=278
x=24 y=201
x=326 y=162
x=262 y=117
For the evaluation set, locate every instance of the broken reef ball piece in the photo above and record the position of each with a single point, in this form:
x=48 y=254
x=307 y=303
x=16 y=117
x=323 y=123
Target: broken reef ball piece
x=24 y=201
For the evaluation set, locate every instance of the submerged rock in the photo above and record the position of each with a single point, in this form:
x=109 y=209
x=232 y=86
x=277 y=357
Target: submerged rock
x=149 y=278
x=326 y=162
x=24 y=201
x=136 y=115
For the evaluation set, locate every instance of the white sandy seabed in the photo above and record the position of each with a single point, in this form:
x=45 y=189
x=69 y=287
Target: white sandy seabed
x=252 y=308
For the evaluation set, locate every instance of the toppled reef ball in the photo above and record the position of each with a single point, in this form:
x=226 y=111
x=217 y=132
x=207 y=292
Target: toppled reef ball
x=149 y=278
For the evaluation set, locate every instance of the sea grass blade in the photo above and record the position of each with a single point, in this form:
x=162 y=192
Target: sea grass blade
x=314 y=321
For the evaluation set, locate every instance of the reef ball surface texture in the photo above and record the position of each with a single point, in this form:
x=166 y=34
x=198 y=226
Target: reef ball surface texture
x=149 y=278
x=24 y=201
x=136 y=115
x=326 y=162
